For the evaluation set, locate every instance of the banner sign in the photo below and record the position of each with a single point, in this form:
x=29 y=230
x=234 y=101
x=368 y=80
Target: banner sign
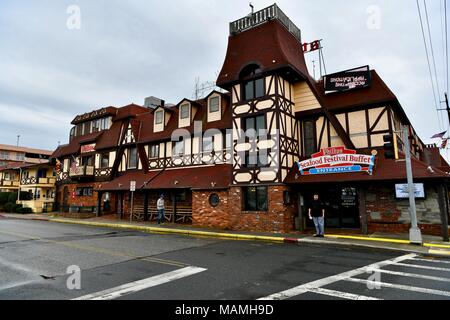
x=402 y=191
x=313 y=46
x=348 y=80
x=337 y=160
x=88 y=148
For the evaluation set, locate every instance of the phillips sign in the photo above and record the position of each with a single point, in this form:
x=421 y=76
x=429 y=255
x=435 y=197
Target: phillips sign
x=337 y=160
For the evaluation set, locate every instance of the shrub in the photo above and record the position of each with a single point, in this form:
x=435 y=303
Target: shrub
x=24 y=210
x=4 y=198
x=12 y=197
x=9 y=207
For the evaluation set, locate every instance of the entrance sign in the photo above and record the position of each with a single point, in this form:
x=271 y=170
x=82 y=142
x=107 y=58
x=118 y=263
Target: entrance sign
x=132 y=186
x=402 y=191
x=348 y=80
x=337 y=160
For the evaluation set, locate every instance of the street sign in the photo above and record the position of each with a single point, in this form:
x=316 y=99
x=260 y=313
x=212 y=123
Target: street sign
x=132 y=186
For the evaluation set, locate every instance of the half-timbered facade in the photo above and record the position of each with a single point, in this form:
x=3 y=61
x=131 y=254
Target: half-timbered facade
x=232 y=160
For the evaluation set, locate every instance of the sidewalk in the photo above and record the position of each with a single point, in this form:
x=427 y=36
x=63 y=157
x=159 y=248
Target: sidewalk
x=397 y=242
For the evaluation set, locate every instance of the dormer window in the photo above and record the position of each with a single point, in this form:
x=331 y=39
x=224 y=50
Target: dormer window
x=184 y=111
x=159 y=117
x=214 y=104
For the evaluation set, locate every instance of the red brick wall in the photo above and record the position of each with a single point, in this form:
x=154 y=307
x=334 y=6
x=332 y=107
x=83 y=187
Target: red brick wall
x=82 y=201
x=387 y=214
x=229 y=214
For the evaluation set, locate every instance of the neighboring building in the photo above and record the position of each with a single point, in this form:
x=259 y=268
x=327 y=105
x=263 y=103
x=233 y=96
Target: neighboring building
x=38 y=180
x=12 y=154
x=252 y=181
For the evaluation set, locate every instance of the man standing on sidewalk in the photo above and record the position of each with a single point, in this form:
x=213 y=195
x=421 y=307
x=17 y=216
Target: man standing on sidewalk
x=160 y=207
x=316 y=213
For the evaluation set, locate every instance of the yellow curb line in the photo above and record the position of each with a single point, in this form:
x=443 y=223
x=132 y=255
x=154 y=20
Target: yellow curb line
x=439 y=252
x=173 y=231
x=369 y=239
x=431 y=245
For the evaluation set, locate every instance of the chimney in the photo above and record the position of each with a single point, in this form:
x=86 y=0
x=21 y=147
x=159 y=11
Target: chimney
x=153 y=102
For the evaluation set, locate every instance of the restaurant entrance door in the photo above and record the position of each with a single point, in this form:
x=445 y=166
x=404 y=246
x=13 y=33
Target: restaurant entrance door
x=341 y=207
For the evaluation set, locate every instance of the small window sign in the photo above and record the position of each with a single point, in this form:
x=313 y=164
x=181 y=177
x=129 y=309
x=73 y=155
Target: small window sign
x=402 y=192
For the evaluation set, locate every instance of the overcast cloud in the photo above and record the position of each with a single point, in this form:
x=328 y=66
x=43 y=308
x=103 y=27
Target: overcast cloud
x=127 y=50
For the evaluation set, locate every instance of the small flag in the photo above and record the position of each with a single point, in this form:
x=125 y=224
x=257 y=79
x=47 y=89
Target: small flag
x=439 y=135
x=444 y=144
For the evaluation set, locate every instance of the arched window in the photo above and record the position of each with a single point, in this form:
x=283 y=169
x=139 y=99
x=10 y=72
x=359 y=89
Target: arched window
x=250 y=71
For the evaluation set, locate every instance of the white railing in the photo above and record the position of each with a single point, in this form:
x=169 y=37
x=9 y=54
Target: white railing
x=259 y=17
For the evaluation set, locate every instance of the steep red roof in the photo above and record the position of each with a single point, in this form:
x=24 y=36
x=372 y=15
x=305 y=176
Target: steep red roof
x=269 y=45
x=147 y=135
x=384 y=170
x=377 y=93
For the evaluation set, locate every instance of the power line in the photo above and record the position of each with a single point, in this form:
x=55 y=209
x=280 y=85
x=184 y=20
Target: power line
x=428 y=61
x=441 y=118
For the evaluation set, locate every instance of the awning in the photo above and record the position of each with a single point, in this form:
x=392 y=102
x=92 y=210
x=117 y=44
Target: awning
x=384 y=170
x=122 y=183
x=211 y=177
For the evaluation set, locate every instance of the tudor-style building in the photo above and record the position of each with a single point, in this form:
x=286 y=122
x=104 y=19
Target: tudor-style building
x=277 y=115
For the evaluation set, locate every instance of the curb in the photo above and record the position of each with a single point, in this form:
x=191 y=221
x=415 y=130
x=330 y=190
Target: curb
x=174 y=231
x=427 y=248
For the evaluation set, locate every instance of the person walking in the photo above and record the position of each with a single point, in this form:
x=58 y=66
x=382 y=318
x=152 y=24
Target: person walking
x=316 y=213
x=160 y=207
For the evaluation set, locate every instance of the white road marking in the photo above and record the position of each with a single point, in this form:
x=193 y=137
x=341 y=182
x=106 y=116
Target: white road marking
x=416 y=266
x=412 y=275
x=401 y=287
x=329 y=280
x=339 y=294
x=140 y=285
x=432 y=261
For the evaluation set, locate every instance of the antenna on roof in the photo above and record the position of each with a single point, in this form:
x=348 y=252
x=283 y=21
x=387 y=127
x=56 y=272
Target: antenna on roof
x=252 y=7
x=18 y=139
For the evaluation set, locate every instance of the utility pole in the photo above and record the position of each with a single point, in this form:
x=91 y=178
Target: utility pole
x=415 y=235
x=447 y=107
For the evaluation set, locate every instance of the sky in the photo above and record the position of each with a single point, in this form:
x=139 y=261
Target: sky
x=124 y=51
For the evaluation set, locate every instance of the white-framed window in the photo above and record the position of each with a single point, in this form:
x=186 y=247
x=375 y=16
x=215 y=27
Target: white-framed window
x=208 y=144
x=214 y=104
x=184 y=111
x=153 y=151
x=178 y=148
x=159 y=117
x=132 y=158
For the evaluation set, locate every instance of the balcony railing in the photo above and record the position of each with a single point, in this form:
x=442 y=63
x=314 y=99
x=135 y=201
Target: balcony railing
x=264 y=15
x=9 y=183
x=35 y=181
x=83 y=171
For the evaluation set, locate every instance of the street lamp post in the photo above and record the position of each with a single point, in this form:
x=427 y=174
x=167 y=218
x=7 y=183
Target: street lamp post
x=415 y=235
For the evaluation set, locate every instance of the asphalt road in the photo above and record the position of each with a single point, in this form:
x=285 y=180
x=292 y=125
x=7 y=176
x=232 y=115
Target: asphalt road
x=35 y=257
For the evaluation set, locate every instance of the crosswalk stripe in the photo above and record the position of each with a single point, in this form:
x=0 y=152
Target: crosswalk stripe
x=339 y=294
x=400 y=286
x=432 y=261
x=329 y=280
x=416 y=266
x=412 y=275
x=140 y=285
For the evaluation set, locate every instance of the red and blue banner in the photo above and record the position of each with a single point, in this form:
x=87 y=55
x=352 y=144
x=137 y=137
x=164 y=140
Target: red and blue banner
x=337 y=160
